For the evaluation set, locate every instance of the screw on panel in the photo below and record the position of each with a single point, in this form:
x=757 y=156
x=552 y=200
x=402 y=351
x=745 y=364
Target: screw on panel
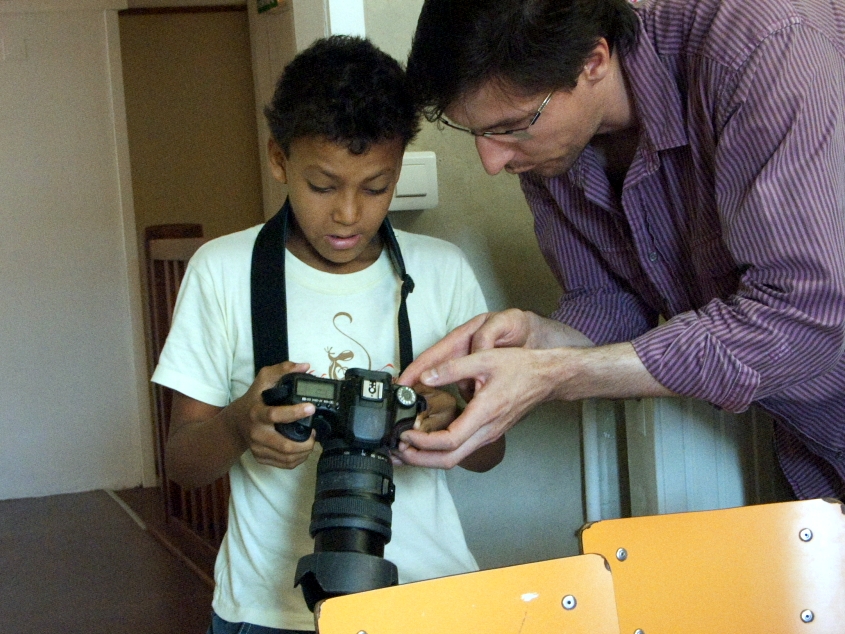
x=806 y=534
x=569 y=602
x=807 y=616
x=622 y=554
x=639 y=632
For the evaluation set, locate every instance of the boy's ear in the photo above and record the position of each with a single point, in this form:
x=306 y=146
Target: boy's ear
x=278 y=161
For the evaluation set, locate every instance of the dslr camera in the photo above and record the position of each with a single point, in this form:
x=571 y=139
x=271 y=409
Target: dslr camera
x=357 y=421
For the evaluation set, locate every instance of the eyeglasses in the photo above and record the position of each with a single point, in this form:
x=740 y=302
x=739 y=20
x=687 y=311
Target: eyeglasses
x=516 y=134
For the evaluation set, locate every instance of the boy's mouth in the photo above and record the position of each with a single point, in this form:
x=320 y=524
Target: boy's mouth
x=343 y=242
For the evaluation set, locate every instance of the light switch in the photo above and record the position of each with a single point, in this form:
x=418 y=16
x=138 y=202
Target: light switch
x=412 y=183
x=417 y=186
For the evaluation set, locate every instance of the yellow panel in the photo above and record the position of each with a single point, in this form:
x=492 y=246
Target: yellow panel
x=745 y=570
x=526 y=599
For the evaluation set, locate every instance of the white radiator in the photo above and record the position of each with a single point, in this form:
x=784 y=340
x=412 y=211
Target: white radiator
x=670 y=455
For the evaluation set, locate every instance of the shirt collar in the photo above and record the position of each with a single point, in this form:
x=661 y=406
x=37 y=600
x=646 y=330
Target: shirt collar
x=657 y=99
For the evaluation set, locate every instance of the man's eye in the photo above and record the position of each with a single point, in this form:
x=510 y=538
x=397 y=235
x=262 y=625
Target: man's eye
x=319 y=190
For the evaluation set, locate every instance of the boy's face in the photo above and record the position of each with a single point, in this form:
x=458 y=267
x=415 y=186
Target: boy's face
x=339 y=199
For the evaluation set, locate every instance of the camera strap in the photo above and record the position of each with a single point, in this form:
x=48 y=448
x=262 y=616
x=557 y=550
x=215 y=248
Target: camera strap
x=269 y=303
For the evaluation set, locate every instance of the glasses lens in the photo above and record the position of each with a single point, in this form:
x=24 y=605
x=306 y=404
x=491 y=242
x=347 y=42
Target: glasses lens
x=514 y=134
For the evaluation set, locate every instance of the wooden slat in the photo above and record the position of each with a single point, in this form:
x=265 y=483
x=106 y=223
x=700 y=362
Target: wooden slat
x=179 y=249
x=169 y=248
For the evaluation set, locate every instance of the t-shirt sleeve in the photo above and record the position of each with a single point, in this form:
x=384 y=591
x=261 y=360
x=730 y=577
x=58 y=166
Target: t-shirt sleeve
x=196 y=354
x=468 y=297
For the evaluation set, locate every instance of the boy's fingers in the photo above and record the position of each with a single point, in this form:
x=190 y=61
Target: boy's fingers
x=289 y=413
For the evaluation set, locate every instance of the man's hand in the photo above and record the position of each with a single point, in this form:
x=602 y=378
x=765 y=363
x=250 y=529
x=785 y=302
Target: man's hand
x=497 y=391
x=489 y=330
x=441 y=411
x=506 y=364
x=505 y=389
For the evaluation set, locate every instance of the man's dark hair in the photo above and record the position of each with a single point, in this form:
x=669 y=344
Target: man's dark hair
x=531 y=46
x=347 y=90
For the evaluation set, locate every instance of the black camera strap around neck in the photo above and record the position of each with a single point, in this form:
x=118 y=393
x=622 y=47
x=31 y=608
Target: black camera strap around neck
x=269 y=303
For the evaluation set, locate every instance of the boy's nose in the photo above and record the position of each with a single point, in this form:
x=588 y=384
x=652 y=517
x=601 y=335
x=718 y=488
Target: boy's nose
x=494 y=154
x=347 y=211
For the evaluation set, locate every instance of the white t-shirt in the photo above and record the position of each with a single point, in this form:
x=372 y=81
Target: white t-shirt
x=334 y=322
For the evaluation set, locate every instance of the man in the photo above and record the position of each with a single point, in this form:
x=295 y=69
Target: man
x=683 y=159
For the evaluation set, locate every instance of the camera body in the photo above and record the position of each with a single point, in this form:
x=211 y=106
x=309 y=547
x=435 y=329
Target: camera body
x=364 y=409
x=357 y=421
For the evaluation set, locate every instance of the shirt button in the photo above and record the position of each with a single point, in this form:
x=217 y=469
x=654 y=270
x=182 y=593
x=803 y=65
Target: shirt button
x=652 y=256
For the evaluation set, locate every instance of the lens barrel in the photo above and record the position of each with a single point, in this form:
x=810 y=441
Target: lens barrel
x=350 y=524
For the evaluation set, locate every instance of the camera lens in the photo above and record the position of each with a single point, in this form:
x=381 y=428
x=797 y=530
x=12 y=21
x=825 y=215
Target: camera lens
x=350 y=524
x=352 y=501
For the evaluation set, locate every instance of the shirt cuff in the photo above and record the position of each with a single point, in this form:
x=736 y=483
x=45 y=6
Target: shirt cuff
x=604 y=318
x=688 y=360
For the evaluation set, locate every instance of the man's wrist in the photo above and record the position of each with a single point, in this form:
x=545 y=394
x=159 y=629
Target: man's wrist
x=610 y=371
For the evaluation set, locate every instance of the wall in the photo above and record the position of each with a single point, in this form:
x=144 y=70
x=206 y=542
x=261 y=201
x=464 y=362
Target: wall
x=72 y=399
x=529 y=507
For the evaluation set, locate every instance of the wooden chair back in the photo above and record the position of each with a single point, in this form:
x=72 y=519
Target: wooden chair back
x=168 y=248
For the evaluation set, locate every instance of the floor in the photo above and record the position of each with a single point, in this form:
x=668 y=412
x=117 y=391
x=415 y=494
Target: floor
x=88 y=563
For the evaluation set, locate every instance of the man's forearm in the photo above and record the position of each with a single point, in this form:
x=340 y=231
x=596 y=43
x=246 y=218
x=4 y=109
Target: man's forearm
x=611 y=371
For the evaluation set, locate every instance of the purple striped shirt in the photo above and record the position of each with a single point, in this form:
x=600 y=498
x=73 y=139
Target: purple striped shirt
x=731 y=223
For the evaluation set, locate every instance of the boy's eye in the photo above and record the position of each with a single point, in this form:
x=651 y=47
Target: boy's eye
x=319 y=190
x=376 y=192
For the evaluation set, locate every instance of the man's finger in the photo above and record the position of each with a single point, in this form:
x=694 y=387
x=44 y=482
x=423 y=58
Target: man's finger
x=454 y=345
x=428 y=459
x=434 y=459
x=456 y=435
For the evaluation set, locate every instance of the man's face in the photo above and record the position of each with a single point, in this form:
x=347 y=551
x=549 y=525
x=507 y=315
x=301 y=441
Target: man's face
x=339 y=199
x=549 y=147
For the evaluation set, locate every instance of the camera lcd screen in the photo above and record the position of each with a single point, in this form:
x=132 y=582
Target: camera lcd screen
x=315 y=389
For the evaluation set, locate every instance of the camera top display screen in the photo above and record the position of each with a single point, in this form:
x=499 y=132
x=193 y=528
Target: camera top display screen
x=315 y=389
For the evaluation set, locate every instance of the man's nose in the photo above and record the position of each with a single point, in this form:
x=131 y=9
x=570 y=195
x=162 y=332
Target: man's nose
x=494 y=154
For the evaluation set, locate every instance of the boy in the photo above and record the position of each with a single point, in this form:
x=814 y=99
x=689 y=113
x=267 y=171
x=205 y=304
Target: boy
x=340 y=119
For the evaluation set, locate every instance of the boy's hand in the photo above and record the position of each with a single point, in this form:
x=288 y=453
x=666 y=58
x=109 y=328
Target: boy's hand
x=257 y=427
x=442 y=409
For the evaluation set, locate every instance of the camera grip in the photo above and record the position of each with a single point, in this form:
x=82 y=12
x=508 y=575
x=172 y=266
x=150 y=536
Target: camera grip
x=280 y=395
x=296 y=431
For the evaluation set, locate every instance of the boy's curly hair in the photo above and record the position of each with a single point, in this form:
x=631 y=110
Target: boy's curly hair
x=347 y=90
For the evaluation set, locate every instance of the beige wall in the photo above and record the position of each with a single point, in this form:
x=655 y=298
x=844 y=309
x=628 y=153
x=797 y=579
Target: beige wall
x=192 y=132
x=73 y=404
x=529 y=507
